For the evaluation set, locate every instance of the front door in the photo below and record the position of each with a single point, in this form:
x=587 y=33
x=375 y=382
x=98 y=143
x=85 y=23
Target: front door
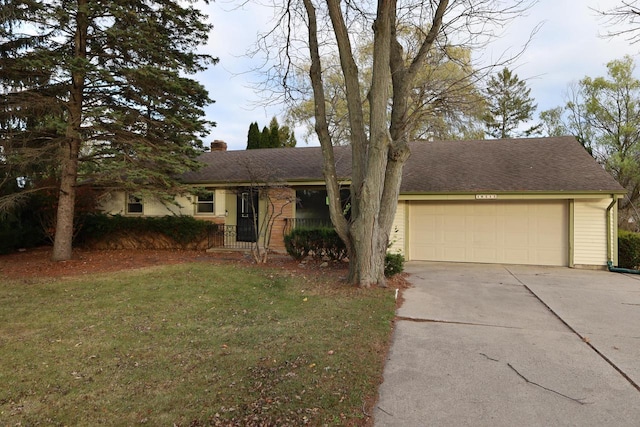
x=247 y=220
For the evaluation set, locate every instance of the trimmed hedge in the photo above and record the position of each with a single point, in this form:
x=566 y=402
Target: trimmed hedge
x=317 y=242
x=628 y=249
x=182 y=229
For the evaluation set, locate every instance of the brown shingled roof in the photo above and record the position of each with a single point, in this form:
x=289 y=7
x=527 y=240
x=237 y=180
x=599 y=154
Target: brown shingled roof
x=276 y=164
x=503 y=165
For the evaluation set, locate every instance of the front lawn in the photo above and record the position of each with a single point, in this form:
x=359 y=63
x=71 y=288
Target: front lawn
x=192 y=344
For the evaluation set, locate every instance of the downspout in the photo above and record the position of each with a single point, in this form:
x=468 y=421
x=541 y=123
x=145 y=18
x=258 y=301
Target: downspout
x=610 y=244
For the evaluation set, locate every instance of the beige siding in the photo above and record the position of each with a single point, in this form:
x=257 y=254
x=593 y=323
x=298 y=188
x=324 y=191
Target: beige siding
x=153 y=207
x=220 y=202
x=115 y=204
x=590 y=232
x=396 y=239
x=231 y=208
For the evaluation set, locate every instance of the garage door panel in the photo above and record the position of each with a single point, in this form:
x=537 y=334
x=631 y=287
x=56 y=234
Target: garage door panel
x=486 y=255
x=515 y=232
x=515 y=256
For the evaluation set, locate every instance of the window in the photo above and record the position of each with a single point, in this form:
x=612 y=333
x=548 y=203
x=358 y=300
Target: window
x=134 y=204
x=204 y=203
x=244 y=207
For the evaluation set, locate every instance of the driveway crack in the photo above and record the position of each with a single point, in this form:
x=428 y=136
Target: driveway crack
x=584 y=339
x=452 y=322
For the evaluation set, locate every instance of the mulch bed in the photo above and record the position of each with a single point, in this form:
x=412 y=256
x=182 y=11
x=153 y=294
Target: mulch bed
x=36 y=263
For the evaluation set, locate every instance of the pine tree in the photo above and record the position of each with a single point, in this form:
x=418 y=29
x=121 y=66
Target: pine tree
x=97 y=90
x=509 y=105
x=253 y=136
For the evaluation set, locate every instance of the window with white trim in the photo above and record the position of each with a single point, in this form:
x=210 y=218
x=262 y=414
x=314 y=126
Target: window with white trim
x=205 y=203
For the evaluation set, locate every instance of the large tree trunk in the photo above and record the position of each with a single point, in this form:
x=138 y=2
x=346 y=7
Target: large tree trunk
x=377 y=161
x=63 y=242
x=368 y=234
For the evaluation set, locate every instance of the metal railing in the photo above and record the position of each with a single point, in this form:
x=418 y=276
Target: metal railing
x=221 y=236
x=226 y=237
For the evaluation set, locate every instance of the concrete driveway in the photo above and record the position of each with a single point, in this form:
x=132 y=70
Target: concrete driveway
x=492 y=345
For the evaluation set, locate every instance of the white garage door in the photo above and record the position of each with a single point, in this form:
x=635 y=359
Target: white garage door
x=533 y=232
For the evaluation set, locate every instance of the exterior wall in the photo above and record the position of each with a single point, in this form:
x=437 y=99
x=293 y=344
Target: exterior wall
x=397 y=237
x=587 y=218
x=231 y=203
x=220 y=203
x=590 y=232
x=115 y=204
x=279 y=203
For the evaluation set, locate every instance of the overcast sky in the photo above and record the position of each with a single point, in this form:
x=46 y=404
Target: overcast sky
x=567 y=48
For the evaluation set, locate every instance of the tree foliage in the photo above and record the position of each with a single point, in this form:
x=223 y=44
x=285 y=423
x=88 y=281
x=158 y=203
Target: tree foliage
x=97 y=91
x=274 y=136
x=509 y=106
x=445 y=103
x=552 y=124
x=253 y=136
x=604 y=114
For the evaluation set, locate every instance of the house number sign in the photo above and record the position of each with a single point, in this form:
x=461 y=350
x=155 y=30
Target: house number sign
x=486 y=196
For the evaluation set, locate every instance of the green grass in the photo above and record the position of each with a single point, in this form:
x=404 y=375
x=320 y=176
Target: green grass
x=194 y=344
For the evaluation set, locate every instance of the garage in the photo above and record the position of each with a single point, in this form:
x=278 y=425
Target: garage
x=490 y=231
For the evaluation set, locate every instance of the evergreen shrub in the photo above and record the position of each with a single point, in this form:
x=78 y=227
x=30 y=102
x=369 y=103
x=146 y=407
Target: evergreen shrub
x=182 y=229
x=318 y=242
x=628 y=249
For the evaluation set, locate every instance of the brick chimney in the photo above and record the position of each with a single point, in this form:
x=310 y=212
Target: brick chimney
x=218 y=145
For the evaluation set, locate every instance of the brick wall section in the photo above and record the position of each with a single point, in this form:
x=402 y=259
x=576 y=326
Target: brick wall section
x=283 y=199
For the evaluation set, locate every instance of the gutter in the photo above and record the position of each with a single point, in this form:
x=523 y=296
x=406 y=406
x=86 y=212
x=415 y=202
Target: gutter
x=610 y=244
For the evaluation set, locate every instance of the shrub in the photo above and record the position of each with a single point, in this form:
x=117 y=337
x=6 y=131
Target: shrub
x=9 y=237
x=317 y=242
x=19 y=229
x=181 y=229
x=628 y=249
x=393 y=264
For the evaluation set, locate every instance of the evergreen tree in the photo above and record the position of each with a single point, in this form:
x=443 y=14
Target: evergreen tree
x=253 y=136
x=97 y=90
x=265 y=137
x=509 y=106
x=274 y=134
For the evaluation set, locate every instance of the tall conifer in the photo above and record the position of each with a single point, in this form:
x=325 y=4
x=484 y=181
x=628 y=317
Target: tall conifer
x=97 y=90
